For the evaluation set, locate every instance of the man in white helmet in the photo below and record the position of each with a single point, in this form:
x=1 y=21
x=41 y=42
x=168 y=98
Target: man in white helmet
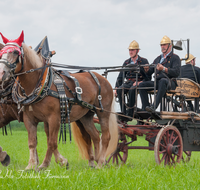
x=189 y=70
x=168 y=67
x=129 y=85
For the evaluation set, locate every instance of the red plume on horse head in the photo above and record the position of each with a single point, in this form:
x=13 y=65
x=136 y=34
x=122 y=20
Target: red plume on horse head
x=17 y=41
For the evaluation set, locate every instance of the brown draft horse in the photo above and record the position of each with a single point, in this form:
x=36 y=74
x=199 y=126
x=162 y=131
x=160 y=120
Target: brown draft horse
x=9 y=112
x=48 y=109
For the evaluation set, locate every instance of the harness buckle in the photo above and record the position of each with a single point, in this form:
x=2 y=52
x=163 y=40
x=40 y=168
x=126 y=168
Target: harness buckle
x=99 y=97
x=78 y=90
x=30 y=71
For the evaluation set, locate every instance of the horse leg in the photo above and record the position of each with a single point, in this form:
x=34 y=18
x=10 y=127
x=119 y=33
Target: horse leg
x=90 y=128
x=105 y=137
x=88 y=145
x=52 y=130
x=37 y=158
x=46 y=129
x=58 y=157
x=32 y=142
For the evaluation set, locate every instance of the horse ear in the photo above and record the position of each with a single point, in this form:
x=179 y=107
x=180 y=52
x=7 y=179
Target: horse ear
x=5 y=40
x=20 y=39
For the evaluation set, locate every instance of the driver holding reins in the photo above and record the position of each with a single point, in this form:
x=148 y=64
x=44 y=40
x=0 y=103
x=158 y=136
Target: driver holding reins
x=168 y=67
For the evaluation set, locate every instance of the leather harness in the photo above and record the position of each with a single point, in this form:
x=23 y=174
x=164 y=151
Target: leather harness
x=42 y=90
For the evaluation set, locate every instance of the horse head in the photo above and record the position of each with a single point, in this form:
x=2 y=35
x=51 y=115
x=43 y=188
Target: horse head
x=11 y=57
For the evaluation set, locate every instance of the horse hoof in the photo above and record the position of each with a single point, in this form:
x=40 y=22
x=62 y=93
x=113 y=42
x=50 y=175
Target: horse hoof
x=6 y=161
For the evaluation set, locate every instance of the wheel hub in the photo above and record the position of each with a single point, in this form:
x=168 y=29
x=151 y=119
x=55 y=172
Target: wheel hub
x=172 y=149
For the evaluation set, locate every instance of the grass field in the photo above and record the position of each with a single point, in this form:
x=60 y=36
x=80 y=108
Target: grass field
x=140 y=171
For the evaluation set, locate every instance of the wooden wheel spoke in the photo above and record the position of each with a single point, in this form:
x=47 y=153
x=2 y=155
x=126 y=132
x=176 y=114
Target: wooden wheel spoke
x=117 y=160
x=109 y=159
x=163 y=145
x=175 y=140
x=171 y=137
x=163 y=151
x=164 y=139
x=166 y=160
x=187 y=156
x=120 y=157
x=173 y=158
x=164 y=155
x=187 y=153
x=114 y=158
x=167 y=137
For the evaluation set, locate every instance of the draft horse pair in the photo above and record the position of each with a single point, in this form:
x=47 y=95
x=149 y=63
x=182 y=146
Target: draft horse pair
x=18 y=59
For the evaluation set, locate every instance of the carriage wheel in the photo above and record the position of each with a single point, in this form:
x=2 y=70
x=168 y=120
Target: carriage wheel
x=121 y=153
x=186 y=156
x=168 y=148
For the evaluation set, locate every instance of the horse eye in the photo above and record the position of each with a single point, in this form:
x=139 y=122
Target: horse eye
x=15 y=52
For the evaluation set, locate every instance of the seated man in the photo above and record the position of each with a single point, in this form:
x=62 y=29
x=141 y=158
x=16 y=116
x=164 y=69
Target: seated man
x=167 y=67
x=129 y=85
x=190 y=71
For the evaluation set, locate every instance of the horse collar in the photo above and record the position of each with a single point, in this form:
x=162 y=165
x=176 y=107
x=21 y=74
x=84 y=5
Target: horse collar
x=19 y=96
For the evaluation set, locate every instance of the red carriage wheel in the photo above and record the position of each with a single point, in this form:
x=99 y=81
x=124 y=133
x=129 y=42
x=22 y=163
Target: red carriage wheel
x=121 y=153
x=186 y=156
x=168 y=148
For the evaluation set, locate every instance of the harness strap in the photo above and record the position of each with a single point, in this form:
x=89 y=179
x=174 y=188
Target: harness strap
x=78 y=89
x=99 y=96
x=58 y=81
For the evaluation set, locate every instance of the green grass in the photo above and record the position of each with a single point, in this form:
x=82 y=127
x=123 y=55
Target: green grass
x=140 y=171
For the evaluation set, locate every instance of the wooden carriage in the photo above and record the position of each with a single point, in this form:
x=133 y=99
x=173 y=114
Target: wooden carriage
x=171 y=134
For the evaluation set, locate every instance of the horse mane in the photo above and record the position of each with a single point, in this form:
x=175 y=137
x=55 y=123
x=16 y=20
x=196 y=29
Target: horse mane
x=31 y=56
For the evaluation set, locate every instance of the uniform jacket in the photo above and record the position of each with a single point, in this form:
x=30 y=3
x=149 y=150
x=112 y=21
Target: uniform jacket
x=172 y=62
x=142 y=76
x=188 y=72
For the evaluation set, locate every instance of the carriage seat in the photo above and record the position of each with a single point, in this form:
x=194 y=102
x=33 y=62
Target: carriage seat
x=186 y=87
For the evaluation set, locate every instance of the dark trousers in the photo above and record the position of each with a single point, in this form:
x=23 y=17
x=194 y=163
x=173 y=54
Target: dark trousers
x=190 y=105
x=161 y=86
x=127 y=86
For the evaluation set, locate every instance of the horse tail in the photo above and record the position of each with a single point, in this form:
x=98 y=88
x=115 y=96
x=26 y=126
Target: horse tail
x=113 y=128
x=79 y=141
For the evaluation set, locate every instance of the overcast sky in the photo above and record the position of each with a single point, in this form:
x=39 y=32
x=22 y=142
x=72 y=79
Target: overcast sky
x=98 y=32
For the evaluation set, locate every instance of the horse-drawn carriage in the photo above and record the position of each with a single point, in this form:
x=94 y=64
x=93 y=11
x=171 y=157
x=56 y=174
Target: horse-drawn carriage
x=173 y=132
x=170 y=132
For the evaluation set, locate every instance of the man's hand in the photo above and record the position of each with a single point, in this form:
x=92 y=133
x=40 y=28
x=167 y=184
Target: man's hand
x=134 y=84
x=159 y=67
x=146 y=68
x=115 y=93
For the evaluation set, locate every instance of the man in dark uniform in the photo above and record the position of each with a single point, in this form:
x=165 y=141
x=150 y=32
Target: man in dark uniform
x=130 y=84
x=168 y=66
x=190 y=71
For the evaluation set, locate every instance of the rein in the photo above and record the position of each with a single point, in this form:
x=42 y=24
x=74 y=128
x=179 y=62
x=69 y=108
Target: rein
x=31 y=70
